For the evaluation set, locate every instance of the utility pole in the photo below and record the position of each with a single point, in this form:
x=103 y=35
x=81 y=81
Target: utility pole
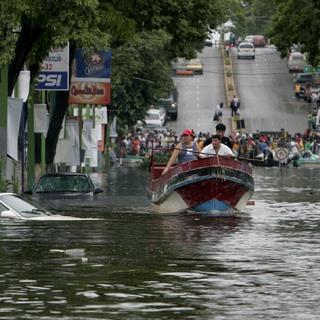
x=3 y=115
x=30 y=139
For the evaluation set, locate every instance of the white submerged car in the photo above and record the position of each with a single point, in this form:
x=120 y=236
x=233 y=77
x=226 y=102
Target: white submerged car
x=14 y=207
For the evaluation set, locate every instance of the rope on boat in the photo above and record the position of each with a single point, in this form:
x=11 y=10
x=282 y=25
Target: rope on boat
x=213 y=155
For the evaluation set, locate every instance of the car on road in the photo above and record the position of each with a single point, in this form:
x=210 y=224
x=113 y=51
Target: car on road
x=305 y=81
x=248 y=38
x=170 y=104
x=195 y=66
x=65 y=185
x=259 y=41
x=246 y=50
x=179 y=68
x=14 y=207
x=296 y=62
x=154 y=119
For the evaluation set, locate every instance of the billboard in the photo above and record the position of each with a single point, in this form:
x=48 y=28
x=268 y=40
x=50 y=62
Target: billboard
x=54 y=73
x=91 y=78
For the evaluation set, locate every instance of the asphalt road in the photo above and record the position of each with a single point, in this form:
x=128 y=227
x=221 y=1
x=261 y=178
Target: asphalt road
x=199 y=94
x=265 y=88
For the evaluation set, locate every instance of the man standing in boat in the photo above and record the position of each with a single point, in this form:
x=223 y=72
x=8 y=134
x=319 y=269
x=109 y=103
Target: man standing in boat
x=220 y=130
x=185 y=151
x=216 y=148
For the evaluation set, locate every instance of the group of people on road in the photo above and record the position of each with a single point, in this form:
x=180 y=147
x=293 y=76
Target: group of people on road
x=234 y=106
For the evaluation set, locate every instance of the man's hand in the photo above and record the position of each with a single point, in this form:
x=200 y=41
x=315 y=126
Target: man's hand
x=164 y=171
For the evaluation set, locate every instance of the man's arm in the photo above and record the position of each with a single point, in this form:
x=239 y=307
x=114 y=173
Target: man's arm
x=204 y=152
x=173 y=158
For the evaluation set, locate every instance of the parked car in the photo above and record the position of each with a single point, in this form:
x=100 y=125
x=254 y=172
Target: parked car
x=296 y=62
x=14 y=207
x=195 y=66
x=170 y=104
x=304 y=81
x=66 y=184
x=154 y=119
x=246 y=50
x=179 y=68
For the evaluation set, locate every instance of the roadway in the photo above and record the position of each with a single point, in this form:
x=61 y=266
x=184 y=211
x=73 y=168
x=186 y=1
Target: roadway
x=199 y=94
x=264 y=86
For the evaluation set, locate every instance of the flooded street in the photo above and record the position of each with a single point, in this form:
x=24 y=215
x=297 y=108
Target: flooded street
x=134 y=264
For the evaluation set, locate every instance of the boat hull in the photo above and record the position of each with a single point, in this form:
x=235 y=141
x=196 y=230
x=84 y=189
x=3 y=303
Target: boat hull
x=206 y=185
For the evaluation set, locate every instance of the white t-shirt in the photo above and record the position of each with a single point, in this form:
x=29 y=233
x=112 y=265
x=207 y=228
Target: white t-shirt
x=208 y=151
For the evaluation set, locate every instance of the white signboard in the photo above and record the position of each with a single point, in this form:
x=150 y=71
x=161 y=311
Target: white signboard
x=54 y=74
x=14 y=116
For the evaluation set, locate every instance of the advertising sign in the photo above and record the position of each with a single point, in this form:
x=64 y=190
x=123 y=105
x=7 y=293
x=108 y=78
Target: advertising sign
x=91 y=78
x=54 y=74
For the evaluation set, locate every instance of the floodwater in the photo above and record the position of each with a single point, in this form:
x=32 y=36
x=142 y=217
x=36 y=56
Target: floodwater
x=134 y=264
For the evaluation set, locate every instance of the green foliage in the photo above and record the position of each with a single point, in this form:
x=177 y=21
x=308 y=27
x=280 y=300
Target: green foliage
x=252 y=16
x=143 y=35
x=297 y=22
x=161 y=157
x=3 y=183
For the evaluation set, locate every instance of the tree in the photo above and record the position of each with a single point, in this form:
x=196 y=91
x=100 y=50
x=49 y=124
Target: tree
x=252 y=16
x=297 y=22
x=153 y=31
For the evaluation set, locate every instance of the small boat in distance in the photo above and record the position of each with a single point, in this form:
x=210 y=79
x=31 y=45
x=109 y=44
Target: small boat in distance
x=210 y=185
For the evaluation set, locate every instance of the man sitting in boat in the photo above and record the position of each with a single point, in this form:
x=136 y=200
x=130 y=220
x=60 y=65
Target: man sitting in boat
x=185 y=151
x=216 y=148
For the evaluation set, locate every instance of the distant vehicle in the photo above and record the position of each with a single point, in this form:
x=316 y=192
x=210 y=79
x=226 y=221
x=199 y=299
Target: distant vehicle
x=170 y=104
x=65 y=185
x=179 y=68
x=296 y=62
x=259 y=41
x=14 y=207
x=304 y=82
x=246 y=50
x=195 y=66
x=154 y=119
x=208 y=42
x=248 y=38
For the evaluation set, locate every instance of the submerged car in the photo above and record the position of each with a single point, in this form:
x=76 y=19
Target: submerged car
x=65 y=185
x=14 y=207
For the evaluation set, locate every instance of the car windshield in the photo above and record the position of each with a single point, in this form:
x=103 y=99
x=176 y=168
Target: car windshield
x=304 y=78
x=246 y=45
x=153 y=116
x=64 y=183
x=297 y=57
x=194 y=61
x=22 y=207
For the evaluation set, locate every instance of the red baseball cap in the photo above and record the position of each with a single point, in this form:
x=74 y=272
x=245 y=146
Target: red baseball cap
x=187 y=132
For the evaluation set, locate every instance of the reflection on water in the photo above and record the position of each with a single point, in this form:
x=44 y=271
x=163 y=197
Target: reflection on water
x=134 y=264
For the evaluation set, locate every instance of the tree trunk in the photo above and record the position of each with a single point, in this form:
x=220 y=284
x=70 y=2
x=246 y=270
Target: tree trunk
x=59 y=110
x=27 y=38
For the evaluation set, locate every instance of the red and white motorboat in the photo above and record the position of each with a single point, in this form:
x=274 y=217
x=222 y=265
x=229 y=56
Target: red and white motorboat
x=211 y=185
